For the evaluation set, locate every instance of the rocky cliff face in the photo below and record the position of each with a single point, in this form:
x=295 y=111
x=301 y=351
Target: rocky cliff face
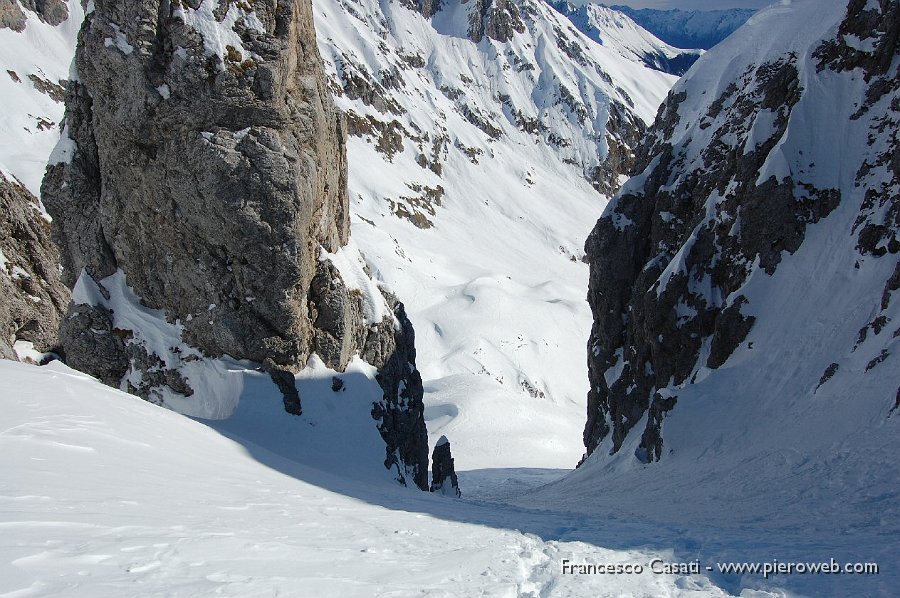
x=498 y=20
x=32 y=296
x=204 y=162
x=765 y=145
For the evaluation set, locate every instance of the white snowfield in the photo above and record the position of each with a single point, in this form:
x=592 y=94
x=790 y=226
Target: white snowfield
x=103 y=494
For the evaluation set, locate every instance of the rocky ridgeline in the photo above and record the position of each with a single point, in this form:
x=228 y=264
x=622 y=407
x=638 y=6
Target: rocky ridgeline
x=672 y=253
x=497 y=19
x=203 y=158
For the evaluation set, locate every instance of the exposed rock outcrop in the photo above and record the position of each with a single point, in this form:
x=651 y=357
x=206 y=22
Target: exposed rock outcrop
x=623 y=134
x=204 y=159
x=443 y=474
x=53 y=12
x=11 y=15
x=496 y=19
x=726 y=193
x=32 y=296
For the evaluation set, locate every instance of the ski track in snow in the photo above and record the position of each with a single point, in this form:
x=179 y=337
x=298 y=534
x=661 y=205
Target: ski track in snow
x=138 y=500
x=107 y=495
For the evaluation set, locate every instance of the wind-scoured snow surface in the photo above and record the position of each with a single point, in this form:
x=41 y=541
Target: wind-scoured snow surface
x=35 y=68
x=689 y=28
x=104 y=494
x=469 y=198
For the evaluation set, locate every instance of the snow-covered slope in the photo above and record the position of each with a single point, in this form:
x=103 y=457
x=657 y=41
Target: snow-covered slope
x=32 y=90
x=744 y=289
x=689 y=28
x=615 y=29
x=471 y=170
x=103 y=494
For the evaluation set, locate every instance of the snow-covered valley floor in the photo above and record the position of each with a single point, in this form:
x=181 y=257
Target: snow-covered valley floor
x=104 y=494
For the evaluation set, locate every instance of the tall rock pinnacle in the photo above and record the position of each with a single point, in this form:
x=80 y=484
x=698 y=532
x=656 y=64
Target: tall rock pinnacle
x=204 y=163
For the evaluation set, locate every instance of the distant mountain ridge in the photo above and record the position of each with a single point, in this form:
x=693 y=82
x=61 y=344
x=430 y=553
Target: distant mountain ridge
x=689 y=28
x=616 y=30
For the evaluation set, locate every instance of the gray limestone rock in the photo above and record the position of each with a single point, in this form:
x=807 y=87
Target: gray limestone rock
x=11 y=15
x=92 y=344
x=623 y=134
x=390 y=347
x=496 y=19
x=286 y=383
x=212 y=172
x=336 y=315
x=32 y=296
x=51 y=11
x=208 y=181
